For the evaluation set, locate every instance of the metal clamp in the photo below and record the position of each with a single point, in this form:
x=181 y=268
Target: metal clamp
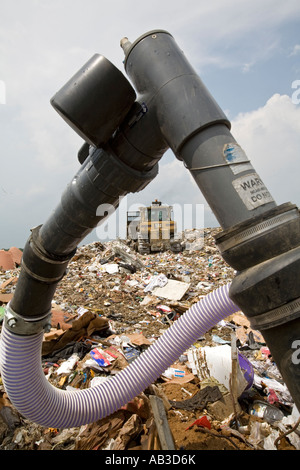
x=25 y=326
x=258 y=229
x=277 y=316
x=211 y=167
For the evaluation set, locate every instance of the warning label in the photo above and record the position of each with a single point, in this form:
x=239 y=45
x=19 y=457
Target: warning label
x=252 y=191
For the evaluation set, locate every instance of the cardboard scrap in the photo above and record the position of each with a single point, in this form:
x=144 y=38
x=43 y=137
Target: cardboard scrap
x=240 y=319
x=58 y=319
x=5 y=298
x=16 y=255
x=173 y=290
x=241 y=334
x=11 y=280
x=184 y=376
x=244 y=328
x=139 y=339
x=85 y=325
x=129 y=431
x=53 y=334
x=95 y=435
x=6 y=260
x=182 y=380
x=10 y=259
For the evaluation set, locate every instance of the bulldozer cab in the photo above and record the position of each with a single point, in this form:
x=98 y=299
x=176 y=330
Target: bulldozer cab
x=153 y=228
x=157 y=213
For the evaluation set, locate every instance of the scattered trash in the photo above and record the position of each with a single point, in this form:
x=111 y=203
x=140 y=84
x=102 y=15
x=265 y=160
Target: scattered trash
x=216 y=362
x=173 y=290
x=203 y=422
x=131 y=353
x=172 y=372
x=264 y=410
x=200 y=400
x=68 y=365
x=156 y=281
x=103 y=357
x=110 y=307
x=112 y=268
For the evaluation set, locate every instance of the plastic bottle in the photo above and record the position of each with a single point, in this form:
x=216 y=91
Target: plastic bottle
x=266 y=411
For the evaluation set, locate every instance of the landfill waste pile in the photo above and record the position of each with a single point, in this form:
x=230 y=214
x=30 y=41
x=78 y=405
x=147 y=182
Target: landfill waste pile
x=223 y=393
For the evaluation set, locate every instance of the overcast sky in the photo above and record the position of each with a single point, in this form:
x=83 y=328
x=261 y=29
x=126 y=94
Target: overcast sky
x=247 y=53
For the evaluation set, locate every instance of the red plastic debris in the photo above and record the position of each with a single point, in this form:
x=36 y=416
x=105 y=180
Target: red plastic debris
x=272 y=397
x=203 y=422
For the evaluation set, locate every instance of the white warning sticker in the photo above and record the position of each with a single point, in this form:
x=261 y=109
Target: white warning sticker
x=236 y=158
x=252 y=191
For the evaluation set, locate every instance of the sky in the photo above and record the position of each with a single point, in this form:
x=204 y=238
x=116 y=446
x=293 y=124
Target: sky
x=247 y=53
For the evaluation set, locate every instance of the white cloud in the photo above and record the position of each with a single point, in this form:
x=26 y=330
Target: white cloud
x=270 y=136
x=246 y=67
x=249 y=27
x=43 y=43
x=296 y=50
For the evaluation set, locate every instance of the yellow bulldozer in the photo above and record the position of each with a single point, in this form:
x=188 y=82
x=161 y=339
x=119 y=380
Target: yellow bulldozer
x=153 y=229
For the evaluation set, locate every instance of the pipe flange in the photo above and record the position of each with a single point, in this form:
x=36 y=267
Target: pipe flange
x=277 y=316
x=258 y=229
x=262 y=238
x=25 y=326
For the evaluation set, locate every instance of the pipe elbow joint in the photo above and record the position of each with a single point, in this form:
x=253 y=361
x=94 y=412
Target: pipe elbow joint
x=164 y=77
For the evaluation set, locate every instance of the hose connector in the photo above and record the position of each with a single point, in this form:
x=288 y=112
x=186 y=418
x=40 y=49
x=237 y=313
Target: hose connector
x=23 y=326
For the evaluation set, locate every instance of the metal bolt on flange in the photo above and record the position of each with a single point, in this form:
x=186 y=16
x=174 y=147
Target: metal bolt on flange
x=12 y=322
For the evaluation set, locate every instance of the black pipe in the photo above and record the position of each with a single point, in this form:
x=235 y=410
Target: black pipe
x=258 y=236
x=126 y=161
x=173 y=110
